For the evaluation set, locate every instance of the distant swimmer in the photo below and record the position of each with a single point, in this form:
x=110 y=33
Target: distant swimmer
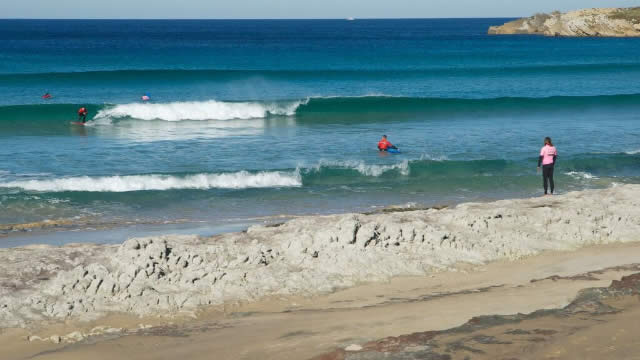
x=548 y=157
x=385 y=145
x=146 y=97
x=82 y=114
x=47 y=96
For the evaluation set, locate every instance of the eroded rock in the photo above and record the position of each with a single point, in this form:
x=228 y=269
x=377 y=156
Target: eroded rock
x=168 y=274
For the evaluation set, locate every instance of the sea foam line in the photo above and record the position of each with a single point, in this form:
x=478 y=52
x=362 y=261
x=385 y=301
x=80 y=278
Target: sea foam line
x=363 y=168
x=581 y=175
x=199 y=110
x=237 y=180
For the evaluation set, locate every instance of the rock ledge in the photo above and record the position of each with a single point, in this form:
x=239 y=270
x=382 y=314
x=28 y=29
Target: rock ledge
x=605 y=22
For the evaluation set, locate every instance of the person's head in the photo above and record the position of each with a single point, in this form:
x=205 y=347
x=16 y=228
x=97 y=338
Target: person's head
x=384 y=137
x=547 y=141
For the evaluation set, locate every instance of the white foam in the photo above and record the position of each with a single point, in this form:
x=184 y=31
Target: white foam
x=199 y=110
x=633 y=152
x=433 y=158
x=581 y=175
x=365 y=169
x=237 y=180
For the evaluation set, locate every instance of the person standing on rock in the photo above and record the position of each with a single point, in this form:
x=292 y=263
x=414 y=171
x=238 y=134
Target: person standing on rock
x=548 y=156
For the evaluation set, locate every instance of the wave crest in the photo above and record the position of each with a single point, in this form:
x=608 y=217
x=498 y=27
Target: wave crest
x=578 y=175
x=199 y=110
x=237 y=180
x=363 y=168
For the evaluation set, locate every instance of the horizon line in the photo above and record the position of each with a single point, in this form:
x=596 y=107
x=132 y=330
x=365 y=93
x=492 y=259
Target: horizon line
x=285 y=19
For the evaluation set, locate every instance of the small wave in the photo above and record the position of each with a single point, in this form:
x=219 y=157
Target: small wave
x=581 y=175
x=237 y=180
x=199 y=110
x=363 y=168
x=633 y=152
x=440 y=158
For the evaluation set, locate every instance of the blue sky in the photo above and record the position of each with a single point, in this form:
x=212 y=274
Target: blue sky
x=219 y=9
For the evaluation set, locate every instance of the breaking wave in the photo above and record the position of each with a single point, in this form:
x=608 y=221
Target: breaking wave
x=237 y=180
x=199 y=110
x=438 y=170
x=363 y=168
x=54 y=118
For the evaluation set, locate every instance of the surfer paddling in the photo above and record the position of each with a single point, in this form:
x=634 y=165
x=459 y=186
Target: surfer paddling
x=385 y=145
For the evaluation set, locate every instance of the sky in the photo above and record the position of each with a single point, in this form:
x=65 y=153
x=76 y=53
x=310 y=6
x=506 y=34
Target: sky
x=287 y=9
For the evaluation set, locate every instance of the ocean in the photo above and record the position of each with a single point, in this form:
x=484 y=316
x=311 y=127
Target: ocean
x=254 y=121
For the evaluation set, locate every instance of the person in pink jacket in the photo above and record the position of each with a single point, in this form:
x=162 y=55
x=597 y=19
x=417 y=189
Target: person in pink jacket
x=548 y=156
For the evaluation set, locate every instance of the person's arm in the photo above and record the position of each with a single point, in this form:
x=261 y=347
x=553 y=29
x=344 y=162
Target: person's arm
x=541 y=157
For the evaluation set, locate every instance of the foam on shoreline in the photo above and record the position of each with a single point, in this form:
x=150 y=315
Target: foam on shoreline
x=306 y=255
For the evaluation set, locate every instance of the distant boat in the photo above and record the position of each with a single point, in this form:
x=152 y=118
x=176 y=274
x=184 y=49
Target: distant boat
x=350 y=19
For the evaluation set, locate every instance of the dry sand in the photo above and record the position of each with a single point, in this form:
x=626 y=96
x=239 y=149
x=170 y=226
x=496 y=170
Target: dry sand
x=303 y=327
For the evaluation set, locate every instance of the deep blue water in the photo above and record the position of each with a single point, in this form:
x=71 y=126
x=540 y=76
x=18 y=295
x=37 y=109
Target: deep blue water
x=260 y=118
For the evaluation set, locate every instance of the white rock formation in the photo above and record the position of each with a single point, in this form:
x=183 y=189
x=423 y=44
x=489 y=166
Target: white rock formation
x=612 y=22
x=167 y=274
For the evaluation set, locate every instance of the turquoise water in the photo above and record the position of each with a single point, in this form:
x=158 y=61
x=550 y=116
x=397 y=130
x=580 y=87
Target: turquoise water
x=253 y=120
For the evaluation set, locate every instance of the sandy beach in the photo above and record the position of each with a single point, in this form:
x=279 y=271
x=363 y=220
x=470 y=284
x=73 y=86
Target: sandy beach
x=327 y=181
x=320 y=285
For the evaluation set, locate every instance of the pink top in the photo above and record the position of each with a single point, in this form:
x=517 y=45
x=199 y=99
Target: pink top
x=548 y=152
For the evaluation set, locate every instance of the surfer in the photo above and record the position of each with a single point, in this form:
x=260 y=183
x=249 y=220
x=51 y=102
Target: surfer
x=82 y=114
x=47 y=96
x=146 y=97
x=548 y=156
x=385 y=145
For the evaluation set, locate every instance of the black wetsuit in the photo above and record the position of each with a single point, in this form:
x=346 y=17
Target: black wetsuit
x=547 y=174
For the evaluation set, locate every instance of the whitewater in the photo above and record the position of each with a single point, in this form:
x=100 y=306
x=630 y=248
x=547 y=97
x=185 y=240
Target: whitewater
x=238 y=180
x=199 y=110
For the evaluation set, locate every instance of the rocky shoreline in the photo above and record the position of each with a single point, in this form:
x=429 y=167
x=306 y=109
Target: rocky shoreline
x=169 y=275
x=605 y=22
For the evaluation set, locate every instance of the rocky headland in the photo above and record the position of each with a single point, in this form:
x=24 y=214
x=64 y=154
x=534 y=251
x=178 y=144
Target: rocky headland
x=605 y=22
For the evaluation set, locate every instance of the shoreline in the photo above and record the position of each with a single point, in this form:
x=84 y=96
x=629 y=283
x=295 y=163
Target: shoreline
x=173 y=274
x=57 y=231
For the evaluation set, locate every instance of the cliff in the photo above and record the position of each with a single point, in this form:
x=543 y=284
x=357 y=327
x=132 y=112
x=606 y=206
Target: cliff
x=607 y=22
